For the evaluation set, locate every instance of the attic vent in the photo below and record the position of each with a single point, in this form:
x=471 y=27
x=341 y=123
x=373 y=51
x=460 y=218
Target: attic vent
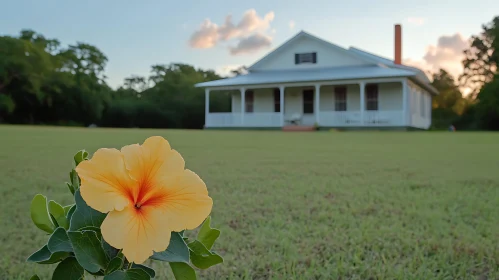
x=301 y=58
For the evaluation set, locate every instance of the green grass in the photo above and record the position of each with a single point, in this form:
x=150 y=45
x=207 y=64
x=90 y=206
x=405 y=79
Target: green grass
x=325 y=205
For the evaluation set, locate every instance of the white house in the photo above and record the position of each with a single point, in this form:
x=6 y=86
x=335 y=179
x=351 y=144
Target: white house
x=311 y=82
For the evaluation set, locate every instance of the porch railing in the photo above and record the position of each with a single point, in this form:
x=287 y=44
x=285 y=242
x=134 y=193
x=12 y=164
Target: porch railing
x=340 y=118
x=353 y=118
x=326 y=118
x=250 y=120
x=383 y=118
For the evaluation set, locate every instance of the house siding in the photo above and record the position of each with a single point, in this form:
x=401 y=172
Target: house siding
x=390 y=97
x=420 y=102
x=236 y=103
x=327 y=56
x=263 y=101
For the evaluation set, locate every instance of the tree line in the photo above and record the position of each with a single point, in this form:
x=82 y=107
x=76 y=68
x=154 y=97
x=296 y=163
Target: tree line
x=480 y=109
x=42 y=82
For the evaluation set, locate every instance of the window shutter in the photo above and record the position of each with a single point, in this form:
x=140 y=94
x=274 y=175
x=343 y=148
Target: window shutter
x=297 y=57
x=314 y=59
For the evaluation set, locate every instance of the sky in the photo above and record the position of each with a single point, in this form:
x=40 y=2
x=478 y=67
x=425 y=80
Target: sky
x=223 y=35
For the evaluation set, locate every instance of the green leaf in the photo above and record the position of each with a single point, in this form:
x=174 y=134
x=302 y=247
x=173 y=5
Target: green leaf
x=177 y=250
x=71 y=212
x=40 y=214
x=59 y=241
x=183 y=271
x=56 y=210
x=114 y=264
x=131 y=274
x=84 y=216
x=207 y=235
x=88 y=250
x=98 y=273
x=54 y=221
x=201 y=257
x=34 y=277
x=80 y=156
x=110 y=251
x=67 y=208
x=70 y=187
x=44 y=256
x=75 y=180
x=68 y=269
x=147 y=269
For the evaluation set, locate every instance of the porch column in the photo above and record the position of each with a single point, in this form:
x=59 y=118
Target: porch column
x=243 y=105
x=316 y=103
x=206 y=106
x=405 y=99
x=281 y=103
x=362 y=86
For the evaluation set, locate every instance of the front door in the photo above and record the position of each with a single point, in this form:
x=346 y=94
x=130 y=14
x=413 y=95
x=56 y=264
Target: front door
x=308 y=107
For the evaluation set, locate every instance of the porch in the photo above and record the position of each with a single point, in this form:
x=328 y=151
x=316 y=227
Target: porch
x=326 y=119
x=365 y=103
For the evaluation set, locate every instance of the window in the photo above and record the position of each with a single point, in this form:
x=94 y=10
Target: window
x=277 y=100
x=372 y=97
x=340 y=98
x=301 y=58
x=308 y=101
x=248 y=100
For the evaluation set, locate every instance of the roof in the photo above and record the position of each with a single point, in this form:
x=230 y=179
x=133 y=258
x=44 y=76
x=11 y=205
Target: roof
x=304 y=75
x=301 y=34
x=419 y=78
x=378 y=67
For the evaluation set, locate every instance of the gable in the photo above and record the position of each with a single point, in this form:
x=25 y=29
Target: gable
x=326 y=54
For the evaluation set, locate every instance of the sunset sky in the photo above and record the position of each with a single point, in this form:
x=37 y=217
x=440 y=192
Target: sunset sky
x=222 y=35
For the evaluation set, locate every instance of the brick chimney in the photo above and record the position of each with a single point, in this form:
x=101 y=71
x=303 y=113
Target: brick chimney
x=398 y=44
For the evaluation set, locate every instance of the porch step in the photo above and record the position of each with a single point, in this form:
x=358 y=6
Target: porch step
x=298 y=128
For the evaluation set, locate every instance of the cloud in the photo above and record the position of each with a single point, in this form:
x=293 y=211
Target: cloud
x=291 y=24
x=248 y=31
x=416 y=20
x=447 y=54
x=251 y=44
x=206 y=36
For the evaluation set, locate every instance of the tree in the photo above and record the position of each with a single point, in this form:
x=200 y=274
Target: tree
x=450 y=96
x=137 y=83
x=482 y=58
x=88 y=60
x=449 y=104
x=24 y=67
x=49 y=45
x=487 y=107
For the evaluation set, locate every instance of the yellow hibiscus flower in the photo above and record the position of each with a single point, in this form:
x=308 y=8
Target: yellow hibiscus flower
x=147 y=194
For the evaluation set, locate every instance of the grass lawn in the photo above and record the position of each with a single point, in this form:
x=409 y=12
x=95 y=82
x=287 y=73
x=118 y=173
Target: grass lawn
x=327 y=205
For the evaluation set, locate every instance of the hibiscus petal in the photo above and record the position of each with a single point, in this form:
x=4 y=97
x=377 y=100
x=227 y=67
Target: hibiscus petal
x=105 y=183
x=138 y=232
x=187 y=203
x=151 y=161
